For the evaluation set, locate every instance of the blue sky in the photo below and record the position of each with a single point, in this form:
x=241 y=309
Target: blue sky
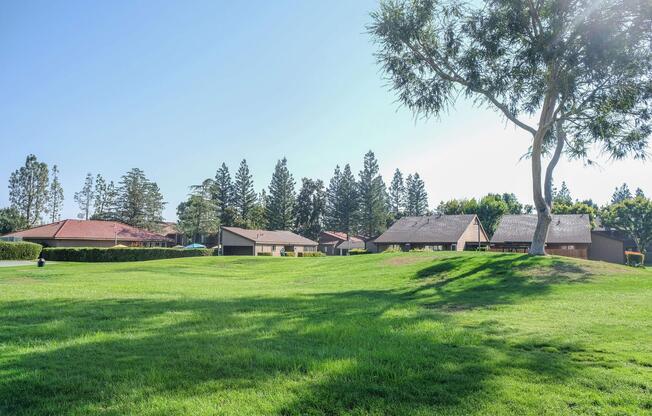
x=175 y=88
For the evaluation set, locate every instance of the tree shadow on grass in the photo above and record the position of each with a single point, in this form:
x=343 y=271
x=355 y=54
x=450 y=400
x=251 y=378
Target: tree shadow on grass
x=467 y=282
x=329 y=353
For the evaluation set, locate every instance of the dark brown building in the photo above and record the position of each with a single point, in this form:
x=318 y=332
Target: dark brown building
x=569 y=235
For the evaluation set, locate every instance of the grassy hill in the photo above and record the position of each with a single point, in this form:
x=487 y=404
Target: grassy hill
x=447 y=333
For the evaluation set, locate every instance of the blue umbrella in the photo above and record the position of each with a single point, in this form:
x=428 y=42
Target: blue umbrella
x=195 y=245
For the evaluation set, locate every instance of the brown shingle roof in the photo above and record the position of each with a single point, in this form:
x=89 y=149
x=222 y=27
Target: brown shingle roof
x=271 y=237
x=88 y=230
x=564 y=229
x=343 y=236
x=427 y=229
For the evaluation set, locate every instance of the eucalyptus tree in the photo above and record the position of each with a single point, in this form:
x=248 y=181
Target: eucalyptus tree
x=28 y=190
x=579 y=68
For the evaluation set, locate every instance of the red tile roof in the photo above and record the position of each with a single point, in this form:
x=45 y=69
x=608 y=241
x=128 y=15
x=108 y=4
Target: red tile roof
x=88 y=230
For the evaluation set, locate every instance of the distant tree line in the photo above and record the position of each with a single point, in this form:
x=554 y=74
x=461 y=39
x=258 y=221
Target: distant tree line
x=361 y=205
x=36 y=195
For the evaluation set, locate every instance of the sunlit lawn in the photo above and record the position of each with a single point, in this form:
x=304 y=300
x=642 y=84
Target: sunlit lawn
x=448 y=333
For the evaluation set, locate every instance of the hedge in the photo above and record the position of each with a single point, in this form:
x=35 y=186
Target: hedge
x=21 y=250
x=95 y=254
x=264 y=254
x=311 y=254
x=357 y=251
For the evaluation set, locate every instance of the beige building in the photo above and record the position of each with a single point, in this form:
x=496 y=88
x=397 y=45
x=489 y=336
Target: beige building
x=241 y=242
x=434 y=232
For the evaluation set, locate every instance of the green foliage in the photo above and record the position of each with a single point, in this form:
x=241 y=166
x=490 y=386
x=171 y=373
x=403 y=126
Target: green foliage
x=576 y=208
x=633 y=217
x=372 y=196
x=397 y=194
x=279 y=209
x=105 y=197
x=139 y=201
x=85 y=197
x=120 y=254
x=288 y=254
x=224 y=196
x=561 y=196
x=489 y=210
x=55 y=196
x=19 y=250
x=416 y=196
x=11 y=220
x=311 y=254
x=264 y=254
x=28 y=190
x=244 y=195
x=342 y=201
x=198 y=216
x=309 y=209
x=621 y=193
x=358 y=251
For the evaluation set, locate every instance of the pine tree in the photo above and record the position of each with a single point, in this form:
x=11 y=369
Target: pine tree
x=331 y=217
x=639 y=193
x=28 y=190
x=198 y=216
x=310 y=208
x=257 y=218
x=280 y=201
x=84 y=198
x=347 y=208
x=224 y=195
x=105 y=199
x=397 y=194
x=55 y=196
x=562 y=196
x=244 y=196
x=620 y=194
x=372 y=197
x=139 y=201
x=417 y=197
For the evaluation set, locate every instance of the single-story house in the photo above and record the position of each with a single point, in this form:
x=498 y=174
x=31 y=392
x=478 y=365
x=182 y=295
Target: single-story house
x=610 y=245
x=171 y=231
x=338 y=243
x=434 y=232
x=241 y=242
x=569 y=234
x=90 y=233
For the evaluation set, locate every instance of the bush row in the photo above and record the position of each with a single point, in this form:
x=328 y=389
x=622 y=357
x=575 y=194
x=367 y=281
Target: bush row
x=95 y=254
x=265 y=254
x=311 y=254
x=21 y=250
x=358 y=251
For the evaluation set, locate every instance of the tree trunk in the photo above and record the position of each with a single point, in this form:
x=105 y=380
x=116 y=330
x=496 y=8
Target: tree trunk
x=544 y=218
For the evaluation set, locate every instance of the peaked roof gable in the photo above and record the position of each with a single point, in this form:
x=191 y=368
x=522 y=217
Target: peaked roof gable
x=271 y=237
x=564 y=229
x=427 y=229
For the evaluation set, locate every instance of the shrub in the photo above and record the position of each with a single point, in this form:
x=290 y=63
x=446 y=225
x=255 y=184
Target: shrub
x=290 y=254
x=264 y=254
x=358 y=251
x=311 y=254
x=21 y=250
x=96 y=254
x=393 y=250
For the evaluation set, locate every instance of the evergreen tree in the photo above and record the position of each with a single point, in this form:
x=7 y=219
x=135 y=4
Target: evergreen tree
x=372 y=197
x=198 y=216
x=562 y=196
x=639 y=193
x=331 y=217
x=139 y=201
x=310 y=208
x=397 y=194
x=347 y=210
x=224 y=195
x=257 y=218
x=84 y=198
x=105 y=199
x=279 y=211
x=11 y=220
x=620 y=194
x=417 y=197
x=55 y=196
x=244 y=196
x=28 y=190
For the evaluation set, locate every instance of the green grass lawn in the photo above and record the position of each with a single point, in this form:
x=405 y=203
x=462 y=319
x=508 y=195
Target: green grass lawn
x=413 y=334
